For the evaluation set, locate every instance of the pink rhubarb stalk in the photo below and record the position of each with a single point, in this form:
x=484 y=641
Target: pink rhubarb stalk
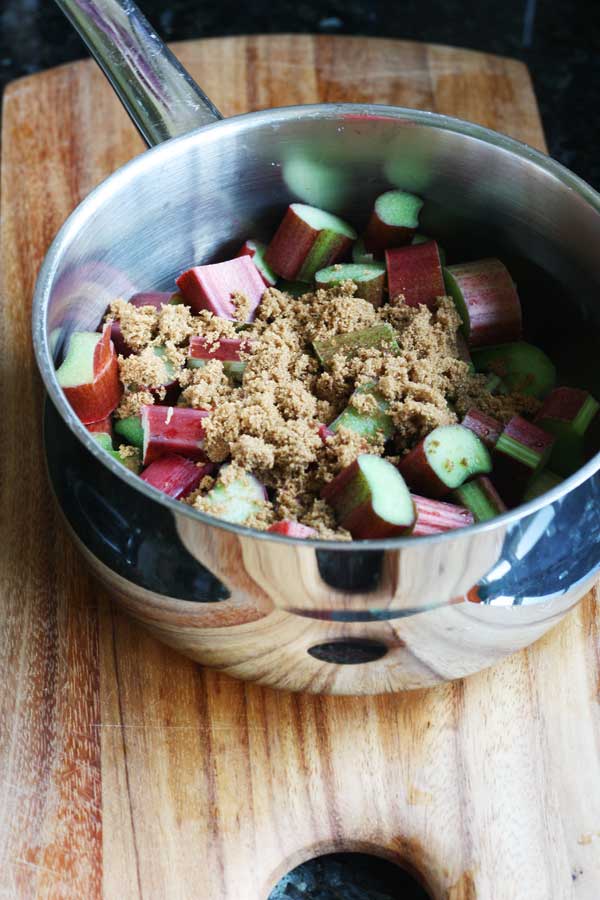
x=306 y=241
x=95 y=400
x=487 y=429
x=520 y=453
x=434 y=516
x=292 y=529
x=487 y=301
x=170 y=429
x=212 y=287
x=415 y=272
x=225 y=349
x=256 y=251
x=175 y=475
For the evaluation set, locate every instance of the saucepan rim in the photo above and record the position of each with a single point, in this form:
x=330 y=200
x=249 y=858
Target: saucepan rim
x=68 y=233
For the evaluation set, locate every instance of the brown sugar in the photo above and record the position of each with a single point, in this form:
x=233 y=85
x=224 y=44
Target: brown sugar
x=144 y=369
x=132 y=402
x=139 y=324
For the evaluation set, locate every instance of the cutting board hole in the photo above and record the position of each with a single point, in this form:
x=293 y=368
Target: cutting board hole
x=349 y=652
x=348 y=876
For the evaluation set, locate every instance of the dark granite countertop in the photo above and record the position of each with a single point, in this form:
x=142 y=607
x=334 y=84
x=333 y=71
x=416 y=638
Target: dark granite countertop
x=559 y=41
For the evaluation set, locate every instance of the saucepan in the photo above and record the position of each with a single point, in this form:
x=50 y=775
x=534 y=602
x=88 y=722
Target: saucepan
x=362 y=617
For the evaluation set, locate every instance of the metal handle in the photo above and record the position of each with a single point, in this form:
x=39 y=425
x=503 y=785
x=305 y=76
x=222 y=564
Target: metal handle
x=158 y=93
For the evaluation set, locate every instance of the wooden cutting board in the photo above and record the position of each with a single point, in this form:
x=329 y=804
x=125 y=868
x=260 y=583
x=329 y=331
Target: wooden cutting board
x=125 y=769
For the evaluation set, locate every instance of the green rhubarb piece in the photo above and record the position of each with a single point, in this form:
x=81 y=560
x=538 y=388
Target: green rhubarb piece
x=232 y=368
x=133 y=463
x=294 y=288
x=237 y=500
x=258 y=258
x=478 y=501
x=529 y=456
x=78 y=365
x=130 y=429
x=523 y=368
x=360 y=254
x=380 y=336
x=419 y=238
x=569 y=449
x=330 y=229
x=161 y=352
x=454 y=454
x=103 y=439
x=540 y=484
x=369 y=279
x=370 y=424
x=176 y=299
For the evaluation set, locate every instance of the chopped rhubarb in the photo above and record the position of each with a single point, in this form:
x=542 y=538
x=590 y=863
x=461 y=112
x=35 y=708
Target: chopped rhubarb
x=175 y=475
x=380 y=336
x=393 y=222
x=436 y=516
x=226 y=350
x=520 y=452
x=292 y=529
x=423 y=238
x=89 y=375
x=487 y=301
x=157 y=299
x=308 y=239
x=371 y=499
x=369 y=279
x=359 y=253
x=130 y=462
x=445 y=459
x=237 y=500
x=485 y=427
x=256 y=251
x=523 y=368
x=376 y=421
x=212 y=287
x=567 y=413
x=104 y=426
x=103 y=440
x=540 y=484
x=130 y=429
x=169 y=429
x=325 y=432
x=481 y=498
x=415 y=273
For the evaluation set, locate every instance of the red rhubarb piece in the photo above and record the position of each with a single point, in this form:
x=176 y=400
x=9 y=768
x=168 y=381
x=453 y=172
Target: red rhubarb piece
x=104 y=426
x=435 y=516
x=225 y=349
x=415 y=272
x=445 y=459
x=157 y=299
x=256 y=251
x=89 y=375
x=521 y=452
x=371 y=499
x=487 y=429
x=175 y=475
x=487 y=301
x=307 y=240
x=292 y=529
x=170 y=429
x=212 y=287
x=393 y=222
x=325 y=433
x=569 y=414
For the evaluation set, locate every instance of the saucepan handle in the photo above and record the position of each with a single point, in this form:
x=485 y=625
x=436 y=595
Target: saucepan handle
x=158 y=93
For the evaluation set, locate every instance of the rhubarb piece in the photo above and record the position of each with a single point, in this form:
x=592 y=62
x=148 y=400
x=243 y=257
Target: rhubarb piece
x=423 y=238
x=157 y=299
x=104 y=426
x=567 y=413
x=170 y=429
x=523 y=368
x=308 y=239
x=237 y=500
x=481 y=498
x=368 y=424
x=380 y=336
x=371 y=499
x=393 y=221
x=360 y=255
x=292 y=529
x=293 y=288
x=121 y=346
x=435 y=516
x=487 y=429
x=89 y=375
x=170 y=383
x=325 y=432
x=212 y=287
x=415 y=273
x=175 y=475
x=103 y=439
x=130 y=429
x=227 y=350
x=540 y=484
x=256 y=251
x=130 y=462
x=369 y=279
x=444 y=460
x=487 y=301
x=520 y=452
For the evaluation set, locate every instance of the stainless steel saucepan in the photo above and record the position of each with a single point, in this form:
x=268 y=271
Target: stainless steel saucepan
x=318 y=616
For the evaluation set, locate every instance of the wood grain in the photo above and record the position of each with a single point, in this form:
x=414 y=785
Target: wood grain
x=126 y=770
